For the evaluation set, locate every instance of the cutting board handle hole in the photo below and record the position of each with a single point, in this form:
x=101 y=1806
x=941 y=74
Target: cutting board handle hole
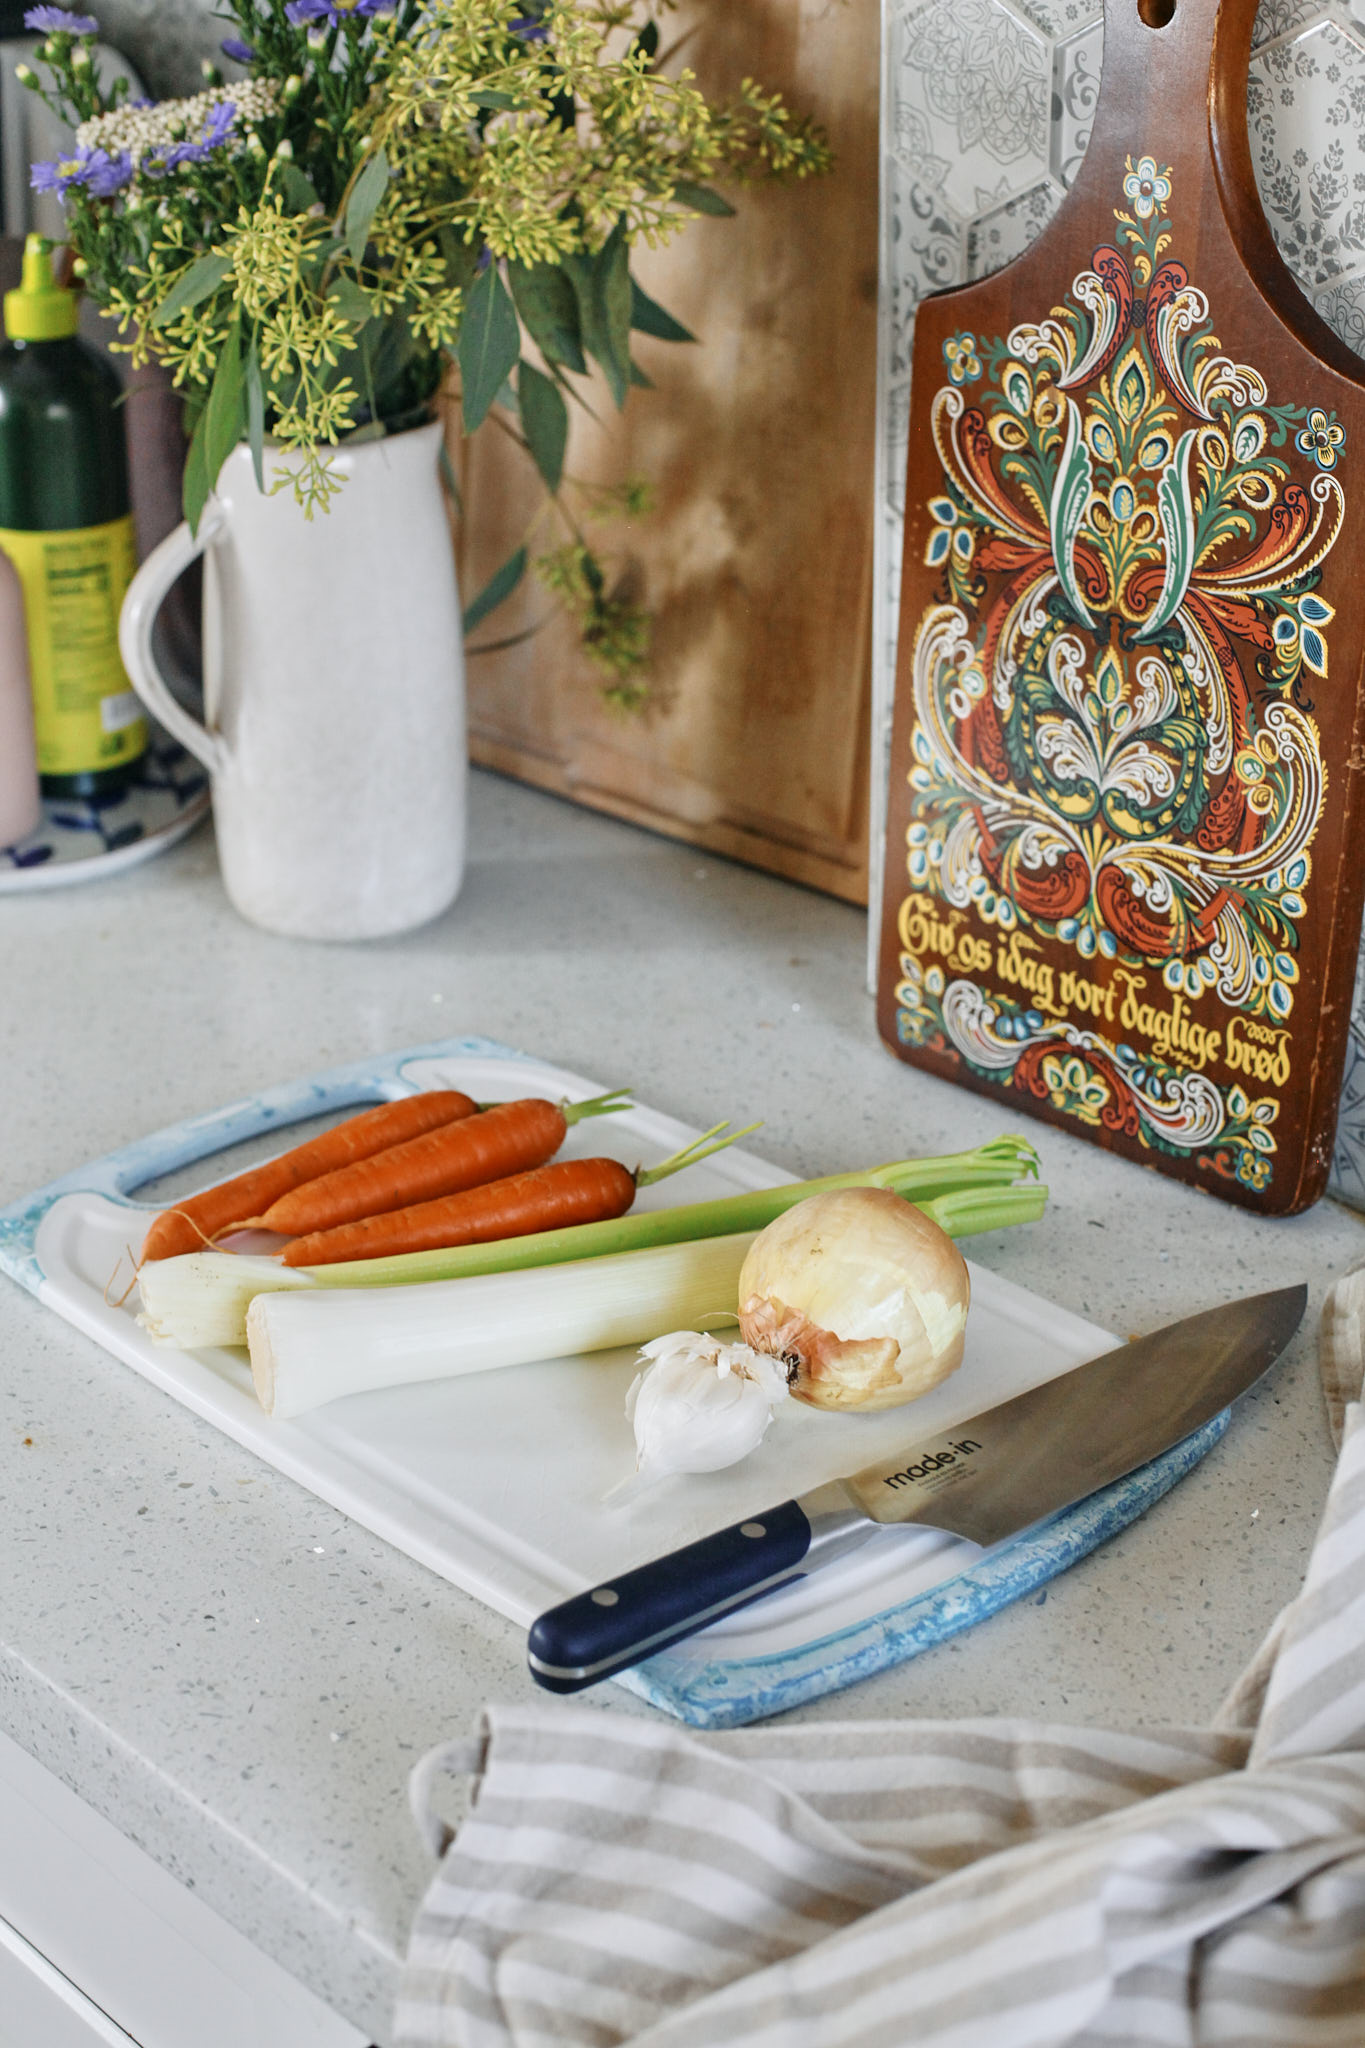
x=1157 y=13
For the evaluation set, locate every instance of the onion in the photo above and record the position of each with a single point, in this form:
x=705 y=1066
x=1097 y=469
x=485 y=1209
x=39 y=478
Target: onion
x=861 y=1294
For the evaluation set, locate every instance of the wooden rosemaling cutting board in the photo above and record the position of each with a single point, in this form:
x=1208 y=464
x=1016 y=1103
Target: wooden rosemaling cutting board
x=1125 y=857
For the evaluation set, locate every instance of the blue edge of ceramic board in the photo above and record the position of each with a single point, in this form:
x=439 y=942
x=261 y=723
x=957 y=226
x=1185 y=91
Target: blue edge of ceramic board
x=727 y=1692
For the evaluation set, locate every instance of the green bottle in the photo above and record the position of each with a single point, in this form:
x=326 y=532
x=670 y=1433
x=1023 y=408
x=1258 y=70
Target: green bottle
x=65 y=524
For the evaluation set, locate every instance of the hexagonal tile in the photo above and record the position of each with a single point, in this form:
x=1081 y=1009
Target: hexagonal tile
x=996 y=238
x=1060 y=17
x=970 y=87
x=1306 y=112
x=1282 y=17
x=923 y=252
x=1075 y=91
x=1342 y=306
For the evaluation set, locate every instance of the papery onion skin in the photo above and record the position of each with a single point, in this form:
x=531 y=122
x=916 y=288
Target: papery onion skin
x=863 y=1296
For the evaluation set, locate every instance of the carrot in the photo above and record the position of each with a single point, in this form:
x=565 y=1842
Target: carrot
x=506 y=1138
x=191 y=1224
x=546 y=1198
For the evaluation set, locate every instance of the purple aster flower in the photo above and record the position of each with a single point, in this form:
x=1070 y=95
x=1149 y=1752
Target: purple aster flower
x=105 y=174
x=59 y=21
x=529 y=29
x=334 y=12
x=238 y=51
x=100 y=173
x=214 y=133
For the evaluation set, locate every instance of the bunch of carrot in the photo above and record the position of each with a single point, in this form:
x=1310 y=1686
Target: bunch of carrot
x=423 y=1173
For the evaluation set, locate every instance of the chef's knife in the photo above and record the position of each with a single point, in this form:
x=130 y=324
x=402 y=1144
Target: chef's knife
x=986 y=1479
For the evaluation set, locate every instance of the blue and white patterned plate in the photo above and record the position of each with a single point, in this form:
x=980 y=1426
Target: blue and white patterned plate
x=83 y=839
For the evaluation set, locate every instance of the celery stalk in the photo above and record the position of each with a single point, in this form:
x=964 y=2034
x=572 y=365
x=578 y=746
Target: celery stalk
x=965 y=1212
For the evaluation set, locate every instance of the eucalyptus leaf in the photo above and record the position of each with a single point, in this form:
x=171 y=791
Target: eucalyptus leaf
x=701 y=198
x=373 y=430
x=499 y=586
x=490 y=343
x=296 y=187
x=224 y=417
x=195 y=485
x=544 y=421
x=459 y=258
x=648 y=317
x=548 y=305
x=255 y=413
x=350 y=300
x=602 y=285
x=448 y=477
x=196 y=284
x=496 y=100
x=366 y=194
x=638 y=377
x=614 y=286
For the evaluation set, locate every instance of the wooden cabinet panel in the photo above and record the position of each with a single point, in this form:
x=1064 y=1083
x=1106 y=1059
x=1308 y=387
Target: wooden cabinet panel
x=756 y=558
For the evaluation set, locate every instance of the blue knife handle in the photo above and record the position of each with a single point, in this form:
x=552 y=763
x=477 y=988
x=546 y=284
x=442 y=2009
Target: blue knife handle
x=627 y=1619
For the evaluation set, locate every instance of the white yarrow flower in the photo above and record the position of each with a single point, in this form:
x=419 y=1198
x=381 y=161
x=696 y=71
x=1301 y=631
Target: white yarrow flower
x=143 y=132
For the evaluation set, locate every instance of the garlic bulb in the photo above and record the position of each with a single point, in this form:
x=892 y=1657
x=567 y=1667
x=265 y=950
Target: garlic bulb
x=861 y=1295
x=699 y=1405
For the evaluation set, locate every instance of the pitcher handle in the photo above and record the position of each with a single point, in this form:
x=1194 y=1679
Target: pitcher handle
x=144 y=598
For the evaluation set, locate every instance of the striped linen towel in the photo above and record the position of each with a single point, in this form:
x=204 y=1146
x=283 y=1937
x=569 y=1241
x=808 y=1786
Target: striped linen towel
x=948 y=1884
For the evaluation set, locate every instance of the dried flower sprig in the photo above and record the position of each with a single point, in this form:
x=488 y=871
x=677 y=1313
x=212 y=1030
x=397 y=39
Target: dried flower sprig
x=399 y=188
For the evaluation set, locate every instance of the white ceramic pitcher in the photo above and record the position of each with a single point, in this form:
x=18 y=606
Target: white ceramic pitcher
x=334 y=726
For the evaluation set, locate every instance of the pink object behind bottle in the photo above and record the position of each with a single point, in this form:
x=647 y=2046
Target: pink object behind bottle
x=20 y=807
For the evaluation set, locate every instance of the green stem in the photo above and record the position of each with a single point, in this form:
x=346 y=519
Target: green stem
x=990 y=1167
x=597 y=1105
x=689 y=1155
x=965 y=1211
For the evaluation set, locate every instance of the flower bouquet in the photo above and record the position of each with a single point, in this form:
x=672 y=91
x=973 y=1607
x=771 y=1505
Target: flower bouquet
x=400 y=197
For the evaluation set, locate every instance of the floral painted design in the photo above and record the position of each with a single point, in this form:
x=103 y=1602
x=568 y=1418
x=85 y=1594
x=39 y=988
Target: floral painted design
x=1114 y=742
x=1147 y=187
x=1102 y=1083
x=959 y=353
x=1321 y=438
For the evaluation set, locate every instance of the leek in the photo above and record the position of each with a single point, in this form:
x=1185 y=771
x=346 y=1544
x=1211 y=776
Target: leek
x=311 y=1348
x=200 y=1299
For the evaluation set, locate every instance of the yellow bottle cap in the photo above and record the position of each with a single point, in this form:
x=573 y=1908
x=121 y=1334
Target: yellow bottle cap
x=40 y=310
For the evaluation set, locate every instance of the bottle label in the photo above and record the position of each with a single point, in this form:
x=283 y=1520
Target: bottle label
x=85 y=715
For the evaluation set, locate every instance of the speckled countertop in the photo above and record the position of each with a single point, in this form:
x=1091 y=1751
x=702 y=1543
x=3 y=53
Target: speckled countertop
x=239 y=1678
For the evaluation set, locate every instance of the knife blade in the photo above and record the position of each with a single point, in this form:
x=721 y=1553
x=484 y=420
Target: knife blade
x=987 y=1479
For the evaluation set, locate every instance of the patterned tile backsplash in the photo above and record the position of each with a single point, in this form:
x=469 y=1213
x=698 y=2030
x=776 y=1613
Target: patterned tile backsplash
x=986 y=113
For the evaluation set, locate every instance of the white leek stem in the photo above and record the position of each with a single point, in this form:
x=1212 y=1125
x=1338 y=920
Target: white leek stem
x=200 y=1298
x=311 y=1347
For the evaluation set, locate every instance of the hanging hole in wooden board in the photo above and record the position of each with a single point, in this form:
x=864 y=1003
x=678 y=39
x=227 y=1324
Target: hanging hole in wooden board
x=1156 y=13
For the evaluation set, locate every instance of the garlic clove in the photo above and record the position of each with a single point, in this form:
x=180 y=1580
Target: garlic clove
x=699 y=1405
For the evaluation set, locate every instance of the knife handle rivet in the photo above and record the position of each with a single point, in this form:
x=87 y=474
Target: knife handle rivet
x=604 y=1597
x=752 y=1529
